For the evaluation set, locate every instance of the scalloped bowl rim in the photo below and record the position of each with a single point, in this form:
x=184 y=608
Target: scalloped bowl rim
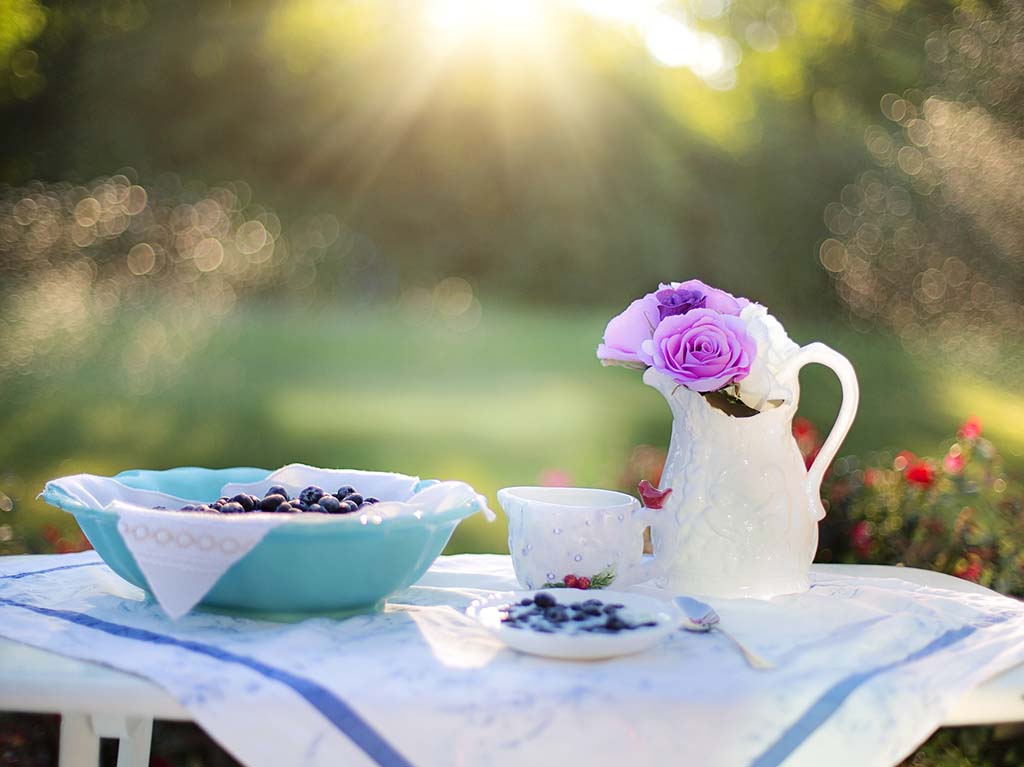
x=298 y=525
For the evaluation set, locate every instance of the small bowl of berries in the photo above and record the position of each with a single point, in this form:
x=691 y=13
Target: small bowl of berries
x=568 y=624
x=289 y=543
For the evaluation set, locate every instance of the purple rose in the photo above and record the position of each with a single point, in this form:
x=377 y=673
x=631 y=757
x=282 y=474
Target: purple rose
x=703 y=350
x=626 y=332
x=716 y=299
x=673 y=301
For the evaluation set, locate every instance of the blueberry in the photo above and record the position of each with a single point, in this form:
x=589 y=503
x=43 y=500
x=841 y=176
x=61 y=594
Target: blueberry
x=343 y=491
x=232 y=508
x=245 y=501
x=593 y=603
x=355 y=498
x=615 y=623
x=161 y=508
x=278 y=490
x=205 y=508
x=526 y=602
x=223 y=499
x=609 y=609
x=370 y=500
x=315 y=508
x=556 y=614
x=295 y=502
x=344 y=507
x=272 y=501
x=544 y=600
x=579 y=616
x=330 y=504
x=285 y=508
x=311 y=495
x=188 y=507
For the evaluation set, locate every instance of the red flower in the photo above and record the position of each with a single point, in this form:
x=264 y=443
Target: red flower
x=804 y=428
x=954 y=461
x=921 y=474
x=971 y=428
x=861 y=538
x=807 y=440
x=969 y=571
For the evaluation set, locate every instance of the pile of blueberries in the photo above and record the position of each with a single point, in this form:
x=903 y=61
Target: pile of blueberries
x=547 y=615
x=312 y=500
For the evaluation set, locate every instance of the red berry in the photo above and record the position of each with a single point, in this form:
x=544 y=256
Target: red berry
x=583 y=583
x=570 y=581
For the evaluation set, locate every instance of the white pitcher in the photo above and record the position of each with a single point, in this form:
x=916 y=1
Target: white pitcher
x=742 y=518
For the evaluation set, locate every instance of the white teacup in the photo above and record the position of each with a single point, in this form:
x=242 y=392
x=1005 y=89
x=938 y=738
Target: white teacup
x=558 y=531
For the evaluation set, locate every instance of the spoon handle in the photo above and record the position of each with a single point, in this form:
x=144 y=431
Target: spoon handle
x=753 y=659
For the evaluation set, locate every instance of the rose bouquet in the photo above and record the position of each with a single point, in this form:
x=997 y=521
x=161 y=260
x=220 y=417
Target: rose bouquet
x=726 y=348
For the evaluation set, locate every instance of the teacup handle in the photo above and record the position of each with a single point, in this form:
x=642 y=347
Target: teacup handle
x=830 y=358
x=645 y=568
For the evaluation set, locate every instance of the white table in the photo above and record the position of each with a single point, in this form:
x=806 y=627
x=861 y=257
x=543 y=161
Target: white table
x=98 y=702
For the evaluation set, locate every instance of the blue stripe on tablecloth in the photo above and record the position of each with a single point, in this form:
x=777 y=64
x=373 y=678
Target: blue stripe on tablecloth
x=339 y=713
x=15 y=576
x=834 y=697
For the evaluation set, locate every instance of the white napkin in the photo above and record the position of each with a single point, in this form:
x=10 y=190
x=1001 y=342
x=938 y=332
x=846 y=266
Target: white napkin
x=296 y=476
x=183 y=554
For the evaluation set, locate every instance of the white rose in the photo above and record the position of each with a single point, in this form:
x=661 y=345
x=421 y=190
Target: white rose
x=761 y=388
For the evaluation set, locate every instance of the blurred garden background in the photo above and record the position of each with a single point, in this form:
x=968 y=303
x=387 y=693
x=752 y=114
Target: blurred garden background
x=388 y=234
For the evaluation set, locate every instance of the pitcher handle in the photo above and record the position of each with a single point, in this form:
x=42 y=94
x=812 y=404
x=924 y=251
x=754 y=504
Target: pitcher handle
x=830 y=358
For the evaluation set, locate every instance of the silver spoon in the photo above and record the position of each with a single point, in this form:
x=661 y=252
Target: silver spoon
x=702 y=618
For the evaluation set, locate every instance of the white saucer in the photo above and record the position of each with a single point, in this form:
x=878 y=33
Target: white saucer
x=579 y=646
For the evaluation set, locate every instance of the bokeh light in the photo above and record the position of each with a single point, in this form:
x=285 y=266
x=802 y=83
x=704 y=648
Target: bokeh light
x=163 y=263
x=928 y=243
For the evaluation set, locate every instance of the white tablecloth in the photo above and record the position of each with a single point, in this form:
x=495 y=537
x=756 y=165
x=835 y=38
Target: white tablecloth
x=867 y=669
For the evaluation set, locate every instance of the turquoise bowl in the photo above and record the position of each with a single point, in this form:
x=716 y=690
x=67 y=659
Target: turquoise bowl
x=298 y=569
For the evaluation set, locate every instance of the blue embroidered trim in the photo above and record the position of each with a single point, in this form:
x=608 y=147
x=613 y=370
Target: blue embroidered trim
x=830 y=701
x=15 y=576
x=339 y=713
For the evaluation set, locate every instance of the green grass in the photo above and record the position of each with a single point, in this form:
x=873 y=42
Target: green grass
x=499 y=405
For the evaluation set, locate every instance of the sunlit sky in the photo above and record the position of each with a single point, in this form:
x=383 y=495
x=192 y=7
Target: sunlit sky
x=670 y=36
